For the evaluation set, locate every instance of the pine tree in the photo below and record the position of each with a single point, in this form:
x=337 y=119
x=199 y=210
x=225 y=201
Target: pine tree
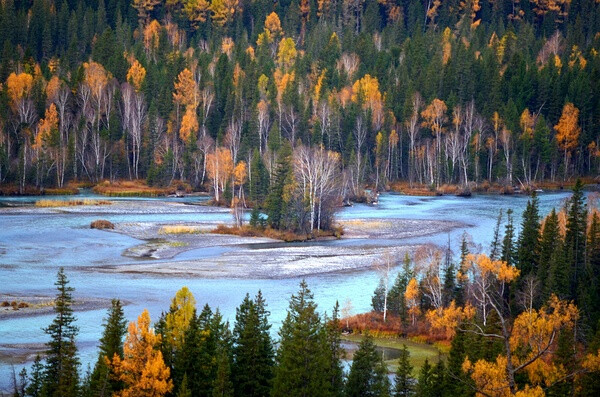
x=404 y=382
x=449 y=277
x=508 y=249
x=36 y=378
x=495 y=246
x=335 y=371
x=378 y=299
x=275 y=205
x=528 y=242
x=252 y=349
x=457 y=383
x=301 y=357
x=61 y=377
x=575 y=240
x=549 y=244
x=111 y=343
x=593 y=269
x=425 y=383
x=365 y=377
x=459 y=295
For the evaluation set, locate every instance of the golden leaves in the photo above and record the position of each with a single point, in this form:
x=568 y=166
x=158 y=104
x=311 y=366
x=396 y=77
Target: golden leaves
x=96 y=77
x=448 y=318
x=240 y=172
x=47 y=126
x=136 y=75
x=142 y=368
x=223 y=11
x=151 y=36
x=567 y=129
x=527 y=122
x=499 y=269
x=435 y=115
x=196 y=11
x=189 y=124
x=287 y=53
x=19 y=86
x=273 y=25
x=185 y=89
x=490 y=377
x=179 y=317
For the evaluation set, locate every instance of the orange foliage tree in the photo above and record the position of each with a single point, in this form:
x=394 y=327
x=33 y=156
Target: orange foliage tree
x=142 y=368
x=136 y=75
x=567 y=131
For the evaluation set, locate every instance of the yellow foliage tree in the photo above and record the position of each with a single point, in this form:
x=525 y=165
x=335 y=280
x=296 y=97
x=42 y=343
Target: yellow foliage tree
x=287 y=53
x=136 y=75
x=152 y=37
x=189 y=125
x=568 y=130
x=448 y=318
x=186 y=89
x=142 y=368
x=273 y=25
x=411 y=297
x=47 y=128
x=223 y=11
x=19 y=86
x=179 y=317
x=196 y=11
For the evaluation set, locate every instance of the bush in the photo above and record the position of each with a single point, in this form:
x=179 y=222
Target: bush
x=102 y=224
x=179 y=229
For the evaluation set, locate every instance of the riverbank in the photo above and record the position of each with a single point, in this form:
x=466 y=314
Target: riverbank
x=390 y=347
x=29 y=306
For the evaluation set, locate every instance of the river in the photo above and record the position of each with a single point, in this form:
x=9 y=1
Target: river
x=34 y=244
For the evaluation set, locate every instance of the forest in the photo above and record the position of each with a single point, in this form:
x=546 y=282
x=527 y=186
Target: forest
x=314 y=99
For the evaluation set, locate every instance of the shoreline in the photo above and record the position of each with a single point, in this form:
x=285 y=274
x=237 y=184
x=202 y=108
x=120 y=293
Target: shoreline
x=42 y=305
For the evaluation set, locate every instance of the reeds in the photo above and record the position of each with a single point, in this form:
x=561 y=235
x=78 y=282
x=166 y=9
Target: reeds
x=179 y=229
x=45 y=203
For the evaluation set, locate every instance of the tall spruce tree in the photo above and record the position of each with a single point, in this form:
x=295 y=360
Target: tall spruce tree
x=61 y=377
x=508 y=242
x=253 y=354
x=550 y=242
x=404 y=383
x=111 y=343
x=425 y=384
x=301 y=358
x=335 y=352
x=495 y=247
x=575 y=240
x=368 y=373
x=529 y=239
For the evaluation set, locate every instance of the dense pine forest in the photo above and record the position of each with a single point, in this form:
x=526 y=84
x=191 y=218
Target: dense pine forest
x=314 y=98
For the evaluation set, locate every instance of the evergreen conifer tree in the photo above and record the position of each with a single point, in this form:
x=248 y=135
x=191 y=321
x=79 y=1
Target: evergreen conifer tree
x=61 y=376
x=367 y=375
x=301 y=358
x=529 y=238
x=111 y=343
x=575 y=240
x=404 y=384
x=508 y=249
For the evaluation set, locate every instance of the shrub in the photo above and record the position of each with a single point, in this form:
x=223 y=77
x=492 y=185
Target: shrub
x=102 y=224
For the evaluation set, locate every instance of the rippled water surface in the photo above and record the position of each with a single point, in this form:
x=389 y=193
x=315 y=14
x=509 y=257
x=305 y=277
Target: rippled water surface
x=33 y=246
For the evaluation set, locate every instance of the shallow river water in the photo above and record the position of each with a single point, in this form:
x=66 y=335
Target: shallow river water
x=33 y=246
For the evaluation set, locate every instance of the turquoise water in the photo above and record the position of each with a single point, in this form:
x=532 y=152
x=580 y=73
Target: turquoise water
x=34 y=246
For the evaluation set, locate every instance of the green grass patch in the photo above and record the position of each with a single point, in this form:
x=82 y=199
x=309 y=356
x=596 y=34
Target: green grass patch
x=418 y=351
